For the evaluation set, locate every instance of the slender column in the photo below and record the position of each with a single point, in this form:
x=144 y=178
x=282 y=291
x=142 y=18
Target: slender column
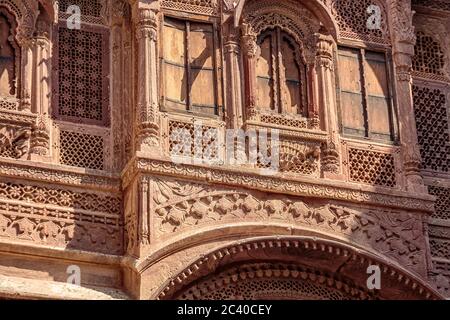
x=26 y=45
x=402 y=33
x=148 y=133
x=327 y=104
x=233 y=80
x=41 y=90
x=249 y=49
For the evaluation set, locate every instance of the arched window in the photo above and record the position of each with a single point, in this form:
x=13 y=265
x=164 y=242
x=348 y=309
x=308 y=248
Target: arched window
x=9 y=56
x=280 y=74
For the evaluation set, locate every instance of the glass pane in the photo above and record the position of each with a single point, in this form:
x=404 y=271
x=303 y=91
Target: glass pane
x=174 y=41
x=174 y=64
x=352 y=111
x=202 y=92
x=201 y=46
x=290 y=75
x=378 y=103
x=264 y=74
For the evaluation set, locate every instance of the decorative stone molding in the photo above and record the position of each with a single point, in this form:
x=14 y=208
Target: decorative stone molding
x=63 y=218
x=292 y=186
x=182 y=206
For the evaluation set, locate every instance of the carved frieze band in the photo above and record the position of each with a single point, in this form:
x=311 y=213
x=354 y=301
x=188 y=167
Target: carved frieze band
x=180 y=206
x=310 y=188
x=60 y=217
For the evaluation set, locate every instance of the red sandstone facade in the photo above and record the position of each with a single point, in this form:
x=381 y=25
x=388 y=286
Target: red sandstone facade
x=90 y=121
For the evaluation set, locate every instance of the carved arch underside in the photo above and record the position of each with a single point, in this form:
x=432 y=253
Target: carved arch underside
x=295 y=268
x=293 y=7
x=290 y=16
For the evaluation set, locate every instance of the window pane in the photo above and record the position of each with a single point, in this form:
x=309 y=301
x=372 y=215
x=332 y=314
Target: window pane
x=352 y=111
x=201 y=52
x=174 y=64
x=264 y=73
x=290 y=74
x=378 y=103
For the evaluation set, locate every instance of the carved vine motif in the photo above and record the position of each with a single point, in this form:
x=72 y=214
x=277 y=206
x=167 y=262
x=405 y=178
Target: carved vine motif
x=183 y=205
x=14 y=142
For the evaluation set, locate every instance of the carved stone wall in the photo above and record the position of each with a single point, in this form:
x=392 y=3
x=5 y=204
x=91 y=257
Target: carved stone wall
x=96 y=168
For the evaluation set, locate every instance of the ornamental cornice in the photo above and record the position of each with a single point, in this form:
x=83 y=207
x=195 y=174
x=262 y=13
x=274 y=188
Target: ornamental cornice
x=54 y=174
x=307 y=187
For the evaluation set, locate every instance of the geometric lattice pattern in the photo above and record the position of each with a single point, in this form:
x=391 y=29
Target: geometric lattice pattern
x=81 y=150
x=266 y=282
x=442 y=205
x=429 y=57
x=87 y=7
x=374 y=168
x=443 y=5
x=284 y=121
x=61 y=197
x=440 y=248
x=432 y=128
x=80 y=70
x=185 y=139
x=8 y=104
x=207 y=7
x=352 y=18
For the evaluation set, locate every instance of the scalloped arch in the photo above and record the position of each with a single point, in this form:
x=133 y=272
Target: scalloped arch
x=302 y=248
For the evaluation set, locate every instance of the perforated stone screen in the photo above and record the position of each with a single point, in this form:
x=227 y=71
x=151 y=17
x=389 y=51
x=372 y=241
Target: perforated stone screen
x=432 y=128
x=429 y=57
x=442 y=202
x=81 y=150
x=370 y=167
x=88 y=7
x=352 y=18
x=82 y=85
x=434 y=4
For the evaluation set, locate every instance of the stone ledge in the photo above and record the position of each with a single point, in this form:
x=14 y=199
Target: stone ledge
x=22 y=288
x=302 y=186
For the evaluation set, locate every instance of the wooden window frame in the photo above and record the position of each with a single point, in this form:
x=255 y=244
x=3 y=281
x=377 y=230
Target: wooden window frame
x=362 y=61
x=276 y=75
x=217 y=86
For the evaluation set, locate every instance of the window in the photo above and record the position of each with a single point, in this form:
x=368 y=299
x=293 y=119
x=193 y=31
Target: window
x=366 y=107
x=189 y=66
x=83 y=68
x=8 y=57
x=280 y=74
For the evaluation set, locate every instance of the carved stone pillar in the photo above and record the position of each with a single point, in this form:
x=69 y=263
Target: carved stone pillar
x=41 y=90
x=327 y=104
x=146 y=25
x=249 y=50
x=233 y=79
x=26 y=44
x=402 y=33
x=119 y=16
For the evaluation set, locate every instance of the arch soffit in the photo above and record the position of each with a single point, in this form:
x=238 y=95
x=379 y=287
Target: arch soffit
x=332 y=249
x=306 y=17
